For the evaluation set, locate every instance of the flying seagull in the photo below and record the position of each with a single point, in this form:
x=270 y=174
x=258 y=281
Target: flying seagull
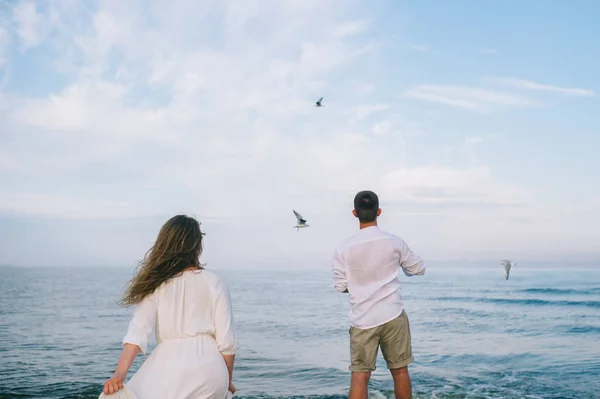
x=507 y=265
x=318 y=104
x=301 y=222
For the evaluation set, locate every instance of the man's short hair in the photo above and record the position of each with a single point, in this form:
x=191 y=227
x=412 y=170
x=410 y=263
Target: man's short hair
x=366 y=205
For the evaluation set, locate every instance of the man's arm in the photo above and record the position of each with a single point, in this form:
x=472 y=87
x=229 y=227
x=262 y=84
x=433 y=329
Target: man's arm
x=339 y=272
x=411 y=263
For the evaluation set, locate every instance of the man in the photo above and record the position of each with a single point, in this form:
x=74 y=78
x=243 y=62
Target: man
x=366 y=267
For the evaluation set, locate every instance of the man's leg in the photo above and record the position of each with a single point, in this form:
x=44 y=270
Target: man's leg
x=359 y=383
x=364 y=345
x=397 y=352
x=402 y=385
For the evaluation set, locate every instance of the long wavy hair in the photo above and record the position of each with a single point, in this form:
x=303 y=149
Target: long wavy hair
x=177 y=248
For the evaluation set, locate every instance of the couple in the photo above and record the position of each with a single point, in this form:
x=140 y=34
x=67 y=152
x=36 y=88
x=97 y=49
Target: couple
x=190 y=307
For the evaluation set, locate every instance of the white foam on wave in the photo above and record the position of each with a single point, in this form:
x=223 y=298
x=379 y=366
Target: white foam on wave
x=374 y=394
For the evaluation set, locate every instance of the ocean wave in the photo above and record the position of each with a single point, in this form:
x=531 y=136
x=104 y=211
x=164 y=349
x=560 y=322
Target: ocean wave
x=563 y=291
x=462 y=311
x=584 y=330
x=523 y=301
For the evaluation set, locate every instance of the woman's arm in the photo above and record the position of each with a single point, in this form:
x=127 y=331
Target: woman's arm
x=128 y=355
x=225 y=330
x=229 y=360
x=115 y=382
x=136 y=341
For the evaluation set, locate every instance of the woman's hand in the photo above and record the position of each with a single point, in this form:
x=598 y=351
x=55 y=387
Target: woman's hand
x=232 y=388
x=114 y=384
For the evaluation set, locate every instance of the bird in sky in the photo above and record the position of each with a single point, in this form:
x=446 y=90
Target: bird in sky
x=300 y=222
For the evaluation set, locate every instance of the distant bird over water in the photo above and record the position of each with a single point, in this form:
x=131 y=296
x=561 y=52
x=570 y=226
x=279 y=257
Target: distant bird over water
x=507 y=265
x=300 y=222
x=319 y=103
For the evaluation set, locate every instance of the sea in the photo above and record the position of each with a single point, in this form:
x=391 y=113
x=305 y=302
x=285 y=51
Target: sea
x=475 y=334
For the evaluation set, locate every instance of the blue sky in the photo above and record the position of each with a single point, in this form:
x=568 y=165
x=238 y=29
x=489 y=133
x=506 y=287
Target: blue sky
x=477 y=124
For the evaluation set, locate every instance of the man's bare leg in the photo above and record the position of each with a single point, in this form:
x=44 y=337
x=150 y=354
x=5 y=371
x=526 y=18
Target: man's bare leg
x=402 y=385
x=358 y=385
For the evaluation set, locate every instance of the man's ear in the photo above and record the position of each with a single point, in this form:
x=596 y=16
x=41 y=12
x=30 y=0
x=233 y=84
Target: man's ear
x=354 y=213
x=378 y=212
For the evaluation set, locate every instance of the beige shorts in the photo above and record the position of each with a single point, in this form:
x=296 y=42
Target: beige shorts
x=394 y=339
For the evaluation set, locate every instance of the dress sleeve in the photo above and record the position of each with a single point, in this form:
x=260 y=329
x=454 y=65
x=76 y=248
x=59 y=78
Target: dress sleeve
x=142 y=323
x=224 y=323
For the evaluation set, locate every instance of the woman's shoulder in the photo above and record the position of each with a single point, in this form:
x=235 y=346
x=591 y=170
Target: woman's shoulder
x=212 y=277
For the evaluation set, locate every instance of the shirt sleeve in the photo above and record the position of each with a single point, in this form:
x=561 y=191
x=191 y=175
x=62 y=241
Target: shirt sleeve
x=339 y=272
x=224 y=322
x=142 y=323
x=411 y=263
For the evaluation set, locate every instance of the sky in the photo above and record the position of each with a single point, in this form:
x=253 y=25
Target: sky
x=477 y=124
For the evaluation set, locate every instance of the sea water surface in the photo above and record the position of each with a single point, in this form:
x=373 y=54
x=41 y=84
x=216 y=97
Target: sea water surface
x=475 y=335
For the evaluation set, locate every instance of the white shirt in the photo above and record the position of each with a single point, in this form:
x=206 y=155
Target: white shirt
x=367 y=265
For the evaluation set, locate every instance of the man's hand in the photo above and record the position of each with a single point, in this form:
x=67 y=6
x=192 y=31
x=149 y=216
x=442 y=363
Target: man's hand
x=114 y=384
x=232 y=388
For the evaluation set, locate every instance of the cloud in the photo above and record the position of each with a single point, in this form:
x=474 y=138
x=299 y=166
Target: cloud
x=182 y=94
x=364 y=111
x=350 y=28
x=365 y=89
x=34 y=204
x=474 y=140
x=7 y=161
x=98 y=108
x=207 y=108
x=446 y=186
x=4 y=42
x=31 y=26
x=469 y=98
x=382 y=127
x=529 y=85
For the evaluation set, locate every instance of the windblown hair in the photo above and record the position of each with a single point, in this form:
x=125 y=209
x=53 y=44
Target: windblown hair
x=177 y=247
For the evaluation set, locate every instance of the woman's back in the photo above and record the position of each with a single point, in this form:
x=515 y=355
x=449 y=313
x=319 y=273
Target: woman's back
x=192 y=304
x=190 y=310
x=194 y=328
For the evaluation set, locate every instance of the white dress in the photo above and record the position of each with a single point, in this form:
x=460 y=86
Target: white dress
x=194 y=326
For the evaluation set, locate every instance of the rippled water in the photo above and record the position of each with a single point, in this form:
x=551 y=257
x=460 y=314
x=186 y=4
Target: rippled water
x=475 y=335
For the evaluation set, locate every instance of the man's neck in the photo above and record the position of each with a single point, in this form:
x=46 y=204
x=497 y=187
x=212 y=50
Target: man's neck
x=370 y=224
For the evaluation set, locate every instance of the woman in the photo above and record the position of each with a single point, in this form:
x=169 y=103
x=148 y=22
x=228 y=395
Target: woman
x=191 y=310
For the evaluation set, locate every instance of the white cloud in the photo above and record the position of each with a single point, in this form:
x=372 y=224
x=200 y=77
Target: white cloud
x=350 y=28
x=31 y=25
x=431 y=185
x=7 y=162
x=364 y=111
x=207 y=108
x=4 y=42
x=224 y=118
x=382 y=127
x=469 y=98
x=365 y=89
x=529 y=85
x=33 y=204
x=473 y=140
